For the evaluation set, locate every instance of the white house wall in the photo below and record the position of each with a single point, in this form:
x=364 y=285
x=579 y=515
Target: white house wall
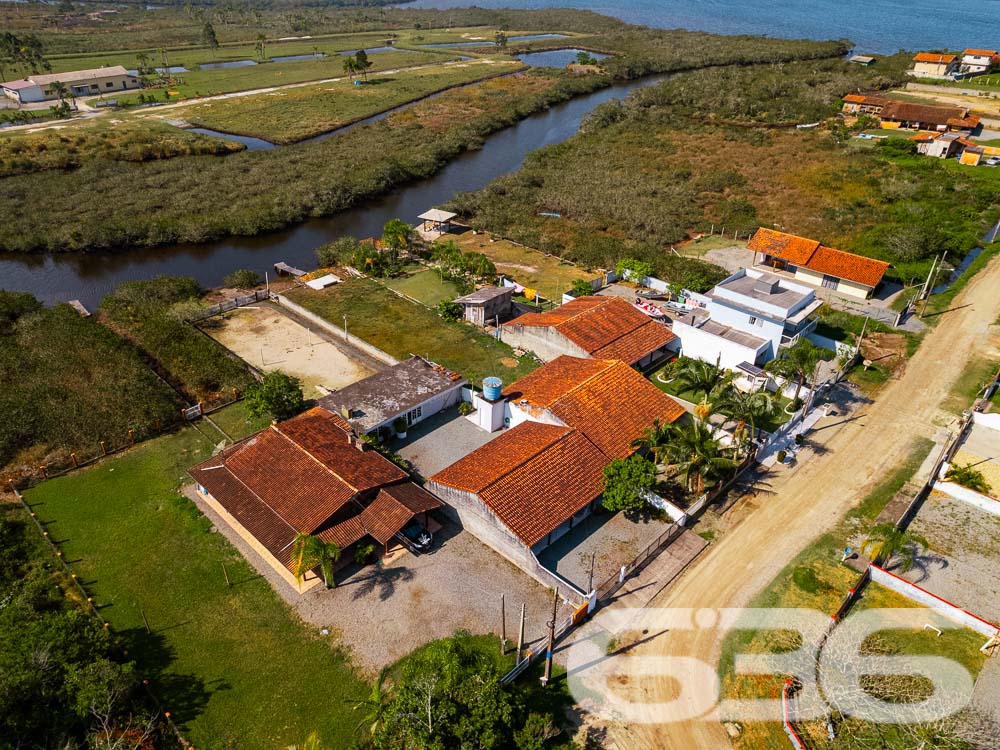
x=701 y=345
x=544 y=341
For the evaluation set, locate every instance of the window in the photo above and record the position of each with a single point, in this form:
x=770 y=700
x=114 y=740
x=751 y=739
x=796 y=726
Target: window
x=110 y=84
x=94 y=87
x=414 y=415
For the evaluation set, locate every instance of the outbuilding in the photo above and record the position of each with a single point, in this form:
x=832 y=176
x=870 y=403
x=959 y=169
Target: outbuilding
x=487 y=304
x=93 y=82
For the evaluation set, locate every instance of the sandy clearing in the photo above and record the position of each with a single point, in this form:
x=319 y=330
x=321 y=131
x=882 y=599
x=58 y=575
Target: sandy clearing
x=269 y=340
x=802 y=503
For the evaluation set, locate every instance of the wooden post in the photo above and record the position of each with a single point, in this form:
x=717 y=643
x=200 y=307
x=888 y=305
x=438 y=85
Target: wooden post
x=520 y=637
x=131 y=437
x=503 y=624
x=45 y=472
x=104 y=448
x=225 y=574
x=145 y=621
x=552 y=640
x=72 y=457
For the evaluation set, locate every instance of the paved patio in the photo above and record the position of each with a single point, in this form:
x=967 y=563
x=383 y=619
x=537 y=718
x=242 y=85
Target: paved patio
x=439 y=441
x=613 y=541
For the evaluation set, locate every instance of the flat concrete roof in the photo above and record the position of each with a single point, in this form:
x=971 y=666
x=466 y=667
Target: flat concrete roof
x=747 y=286
x=731 y=334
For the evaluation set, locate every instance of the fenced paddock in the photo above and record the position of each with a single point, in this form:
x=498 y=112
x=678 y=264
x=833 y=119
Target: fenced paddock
x=267 y=339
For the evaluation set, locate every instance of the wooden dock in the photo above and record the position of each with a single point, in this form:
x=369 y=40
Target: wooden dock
x=283 y=267
x=78 y=306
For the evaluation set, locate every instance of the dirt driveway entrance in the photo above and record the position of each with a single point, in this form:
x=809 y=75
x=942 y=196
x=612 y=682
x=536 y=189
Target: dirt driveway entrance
x=270 y=340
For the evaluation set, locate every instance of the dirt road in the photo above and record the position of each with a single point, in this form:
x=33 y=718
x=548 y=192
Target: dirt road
x=806 y=501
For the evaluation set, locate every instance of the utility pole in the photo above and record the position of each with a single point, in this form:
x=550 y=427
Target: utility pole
x=503 y=624
x=590 y=584
x=520 y=637
x=552 y=640
x=930 y=288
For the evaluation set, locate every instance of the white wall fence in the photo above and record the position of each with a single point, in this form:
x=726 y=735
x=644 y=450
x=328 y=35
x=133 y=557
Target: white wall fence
x=990 y=421
x=926 y=598
x=330 y=328
x=966 y=495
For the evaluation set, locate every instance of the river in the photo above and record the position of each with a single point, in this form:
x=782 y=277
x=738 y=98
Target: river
x=88 y=277
x=882 y=26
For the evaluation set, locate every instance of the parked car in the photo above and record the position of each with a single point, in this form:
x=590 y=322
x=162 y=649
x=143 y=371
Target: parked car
x=993 y=161
x=420 y=539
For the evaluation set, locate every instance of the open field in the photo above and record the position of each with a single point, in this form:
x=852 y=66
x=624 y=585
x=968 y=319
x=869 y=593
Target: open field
x=425 y=286
x=402 y=328
x=269 y=340
x=550 y=275
x=289 y=115
x=233 y=665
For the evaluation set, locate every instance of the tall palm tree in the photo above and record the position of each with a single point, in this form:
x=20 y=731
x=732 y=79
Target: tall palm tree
x=747 y=408
x=655 y=439
x=697 y=454
x=376 y=705
x=259 y=46
x=308 y=551
x=397 y=235
x=350 y=65
x=799 y=362
x=885 y=541
x=702 y=377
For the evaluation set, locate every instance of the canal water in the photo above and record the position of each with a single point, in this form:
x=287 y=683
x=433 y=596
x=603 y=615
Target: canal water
x=88 y=277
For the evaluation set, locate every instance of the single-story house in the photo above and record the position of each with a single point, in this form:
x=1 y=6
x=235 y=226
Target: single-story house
x=864 y=104
x=533 y=484
x=943 y=145
x=311 y=475
x=818 y=265
x=487 y=304
x=897 y=114
x=598 y=327
x=934 y=64
x=38 y=88
x=414 y=390
x=862 y=60
x=975 y=61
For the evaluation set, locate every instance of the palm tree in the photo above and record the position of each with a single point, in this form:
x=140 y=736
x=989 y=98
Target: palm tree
x=350 y=66
x=397 y=235
x=702 y=377
x=885 y=541
x=968 y=476
x=747 y=408
x=308 y=551
x=799 y=362
x=142 y=63
x=363 y=63
x=259 y=46
x=655 y=439
x=376 y=705
x=697 y=454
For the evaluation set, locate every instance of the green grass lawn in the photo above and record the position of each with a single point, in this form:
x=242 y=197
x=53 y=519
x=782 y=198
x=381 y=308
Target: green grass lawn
x=237 y=423
x=426 y=286
x=298 y=113
x=234 y=666
x=402 y=328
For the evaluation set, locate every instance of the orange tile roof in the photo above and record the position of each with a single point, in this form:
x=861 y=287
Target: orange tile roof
x=608 y=401
x=981 y=52
x=855 y=98
x=820 y=259
x=933 y=57
x=596 y=324
x=858 y=268
x=560 y=473
x=792 y=248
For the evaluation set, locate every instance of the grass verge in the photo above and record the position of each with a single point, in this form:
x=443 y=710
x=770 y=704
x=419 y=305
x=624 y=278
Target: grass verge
x=233 y=665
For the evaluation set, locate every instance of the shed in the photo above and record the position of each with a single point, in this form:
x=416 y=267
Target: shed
x=486 y=304
x=437 y=220
x=862 y=60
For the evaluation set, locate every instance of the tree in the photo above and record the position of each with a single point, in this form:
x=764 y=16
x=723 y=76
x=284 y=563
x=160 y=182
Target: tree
x=968 y=476
x=369 y=259
x=697 y=454
x=637 y=269
x=799 y=362
x=142 y=65
x=310 y=551
x=582 y=288
x=500 y=40
x=747 y=408
x=886 y=541
x=450 y=311
x=397 y=235
x=376 y=705
x=350 y=66
x=585 y=58
x=624 y=481
x=208 y=37
x=259 y=47
x=337 y=252
x=702 y=377
x=277 y=395
x=363 y=63
x=244 y=278
x=655 y=439
x=479 y=266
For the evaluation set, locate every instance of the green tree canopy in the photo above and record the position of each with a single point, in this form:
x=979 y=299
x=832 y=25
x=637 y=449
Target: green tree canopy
x=625 y=479
x=243 y=278
x=278 y=395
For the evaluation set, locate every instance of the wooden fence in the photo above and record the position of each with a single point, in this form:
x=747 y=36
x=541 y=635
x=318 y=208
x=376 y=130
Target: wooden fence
x=259 y=295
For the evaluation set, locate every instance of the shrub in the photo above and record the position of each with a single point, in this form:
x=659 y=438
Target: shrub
x=624 y=479
x=582 y=288
x=449 y=310
x=400 y=425
x=781 y=456
x=638 y=269
x=244 y=278
x=363 y=553
x=970 y=477
x=277 y=395
x=466 y=408
x=337 y=252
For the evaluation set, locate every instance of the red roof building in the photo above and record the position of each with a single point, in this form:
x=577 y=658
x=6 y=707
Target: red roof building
x=600 y=327
x=308 y=475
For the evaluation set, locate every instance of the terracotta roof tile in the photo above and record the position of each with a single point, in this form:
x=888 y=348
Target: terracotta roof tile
x=560 y=473
x=598 y=323
x=413 y=496
x=923 y=113
x=858 y=268
x=796 y=250
x=933 y=57
x=981 y=52
x=345 y=533
x=553 y=379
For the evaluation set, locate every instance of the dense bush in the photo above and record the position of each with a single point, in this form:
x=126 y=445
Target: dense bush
x=153 y=315
x=278 y=396
x=243 y=278
x=67 y=382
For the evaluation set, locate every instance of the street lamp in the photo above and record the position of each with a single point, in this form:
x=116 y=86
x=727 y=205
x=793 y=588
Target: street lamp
x=345 y=327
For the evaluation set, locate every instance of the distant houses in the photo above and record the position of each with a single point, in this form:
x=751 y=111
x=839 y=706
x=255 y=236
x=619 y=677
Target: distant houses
x=971 y=62
x=894 y=113
x=978 y=61
x=40 y=88
x=935 y=65
x=592 y=326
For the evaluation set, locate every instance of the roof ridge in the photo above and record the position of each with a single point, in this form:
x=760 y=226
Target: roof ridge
x=601 y=302
x=533 y=456
x=323 y=465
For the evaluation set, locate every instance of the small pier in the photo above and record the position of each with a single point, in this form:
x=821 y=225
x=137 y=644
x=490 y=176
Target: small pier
x=78 y=306
x=284 y=268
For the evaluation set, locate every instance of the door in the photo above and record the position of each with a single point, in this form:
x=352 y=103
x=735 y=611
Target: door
x=830 y=282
